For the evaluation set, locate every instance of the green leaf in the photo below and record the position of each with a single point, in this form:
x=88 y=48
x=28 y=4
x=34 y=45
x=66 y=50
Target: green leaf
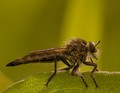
x=64 y=82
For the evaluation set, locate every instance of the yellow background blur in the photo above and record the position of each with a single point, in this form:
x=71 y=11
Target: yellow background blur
x=27 y=25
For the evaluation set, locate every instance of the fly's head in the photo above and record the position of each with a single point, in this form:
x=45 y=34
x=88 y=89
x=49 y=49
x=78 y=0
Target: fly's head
x=93 y=50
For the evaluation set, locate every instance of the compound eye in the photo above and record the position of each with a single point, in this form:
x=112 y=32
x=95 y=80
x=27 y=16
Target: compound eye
x=92 y=47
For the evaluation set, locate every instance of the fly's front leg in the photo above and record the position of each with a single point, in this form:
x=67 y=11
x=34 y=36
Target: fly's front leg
x=95 y=66
x=75 y=72
x=55 y=70
x=93 y=62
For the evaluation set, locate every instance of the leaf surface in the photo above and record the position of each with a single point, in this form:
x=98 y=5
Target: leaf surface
x=64 y=82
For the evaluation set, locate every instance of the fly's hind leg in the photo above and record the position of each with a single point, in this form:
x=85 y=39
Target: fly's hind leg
x=69 y=66
x=75 y=72
x=55 y=67
x=66 y=68
x=55 y=70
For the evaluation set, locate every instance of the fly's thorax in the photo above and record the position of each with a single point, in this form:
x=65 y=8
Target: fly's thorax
x=76 y=56
x=80 y=49
x=76 y=44
x=76 y=49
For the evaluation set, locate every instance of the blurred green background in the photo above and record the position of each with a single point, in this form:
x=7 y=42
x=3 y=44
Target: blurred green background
x=27 y=25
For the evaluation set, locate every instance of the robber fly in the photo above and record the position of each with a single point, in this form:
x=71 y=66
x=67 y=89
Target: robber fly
x=76 y=52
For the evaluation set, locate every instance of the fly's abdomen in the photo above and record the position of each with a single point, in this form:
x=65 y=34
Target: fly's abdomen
x=37 y=56
x=31 y=59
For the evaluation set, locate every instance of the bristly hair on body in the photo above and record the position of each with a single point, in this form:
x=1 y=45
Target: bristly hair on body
x=76 y=52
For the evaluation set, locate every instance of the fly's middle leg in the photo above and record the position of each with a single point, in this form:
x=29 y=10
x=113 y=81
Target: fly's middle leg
x=75 y=72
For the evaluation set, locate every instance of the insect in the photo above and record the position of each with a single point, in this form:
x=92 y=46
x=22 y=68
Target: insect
x=76 y=52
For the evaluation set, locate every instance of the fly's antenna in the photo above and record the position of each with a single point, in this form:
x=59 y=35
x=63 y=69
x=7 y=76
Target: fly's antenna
x=97 y=43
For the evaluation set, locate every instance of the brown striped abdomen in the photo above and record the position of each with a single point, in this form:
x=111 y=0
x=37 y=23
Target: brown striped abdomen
x=41 y=56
